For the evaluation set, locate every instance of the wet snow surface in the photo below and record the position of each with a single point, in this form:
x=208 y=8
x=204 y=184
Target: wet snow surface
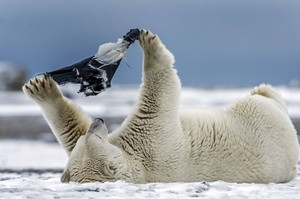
x=32 y=169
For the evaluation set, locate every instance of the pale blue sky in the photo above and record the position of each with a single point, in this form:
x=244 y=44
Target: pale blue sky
x=229 y=42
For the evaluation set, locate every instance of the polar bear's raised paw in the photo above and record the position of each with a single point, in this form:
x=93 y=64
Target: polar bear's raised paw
x=42 y=89
x=148 y=41
x=155 y=52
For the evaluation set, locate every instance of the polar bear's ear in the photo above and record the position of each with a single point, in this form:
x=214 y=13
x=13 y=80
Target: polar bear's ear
x=98 y=127
x=66 y=177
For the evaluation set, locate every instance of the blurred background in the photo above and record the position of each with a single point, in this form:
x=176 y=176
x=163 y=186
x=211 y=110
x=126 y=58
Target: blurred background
x=222 y=50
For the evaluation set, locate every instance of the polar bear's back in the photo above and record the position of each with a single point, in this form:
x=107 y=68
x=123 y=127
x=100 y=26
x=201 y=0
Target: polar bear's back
x=264 y=120
x=269 y=122
x=253 y=140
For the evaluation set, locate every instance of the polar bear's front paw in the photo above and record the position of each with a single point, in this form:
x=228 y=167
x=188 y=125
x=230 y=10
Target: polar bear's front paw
x=155 y=51
x=42 y=89
x=149 y=42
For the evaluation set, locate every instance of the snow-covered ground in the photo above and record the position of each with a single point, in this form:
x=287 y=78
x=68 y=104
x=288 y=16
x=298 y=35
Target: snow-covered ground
x=32 y=169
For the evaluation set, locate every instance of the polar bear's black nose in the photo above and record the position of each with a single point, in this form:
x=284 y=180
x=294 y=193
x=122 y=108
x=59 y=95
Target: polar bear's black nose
x=99 y=120
x=97 y=125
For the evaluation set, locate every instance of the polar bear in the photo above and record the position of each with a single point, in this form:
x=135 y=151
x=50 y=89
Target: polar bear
x=252 y=141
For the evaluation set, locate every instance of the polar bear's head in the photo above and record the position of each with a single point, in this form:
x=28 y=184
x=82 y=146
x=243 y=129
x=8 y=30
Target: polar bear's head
x=94 y=158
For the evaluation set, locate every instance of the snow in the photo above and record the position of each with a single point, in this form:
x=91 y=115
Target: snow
x=18 y=155
x=32 y=169
x=119 y=101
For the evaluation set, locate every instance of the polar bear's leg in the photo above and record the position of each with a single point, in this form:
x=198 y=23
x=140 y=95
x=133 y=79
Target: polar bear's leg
x=269 y=92
x=67 y=121
x=161 y=85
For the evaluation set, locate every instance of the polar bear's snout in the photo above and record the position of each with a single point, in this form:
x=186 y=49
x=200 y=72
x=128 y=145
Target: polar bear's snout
x=98 y=126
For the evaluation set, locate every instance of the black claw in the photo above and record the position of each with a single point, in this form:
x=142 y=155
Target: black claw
x=46 y=76
x=147 y=32
x=36 y=87
x=37 y=80
x=30 y=82
x=28 y=89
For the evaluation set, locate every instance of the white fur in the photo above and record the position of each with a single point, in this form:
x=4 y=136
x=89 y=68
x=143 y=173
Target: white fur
x=252 y=141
